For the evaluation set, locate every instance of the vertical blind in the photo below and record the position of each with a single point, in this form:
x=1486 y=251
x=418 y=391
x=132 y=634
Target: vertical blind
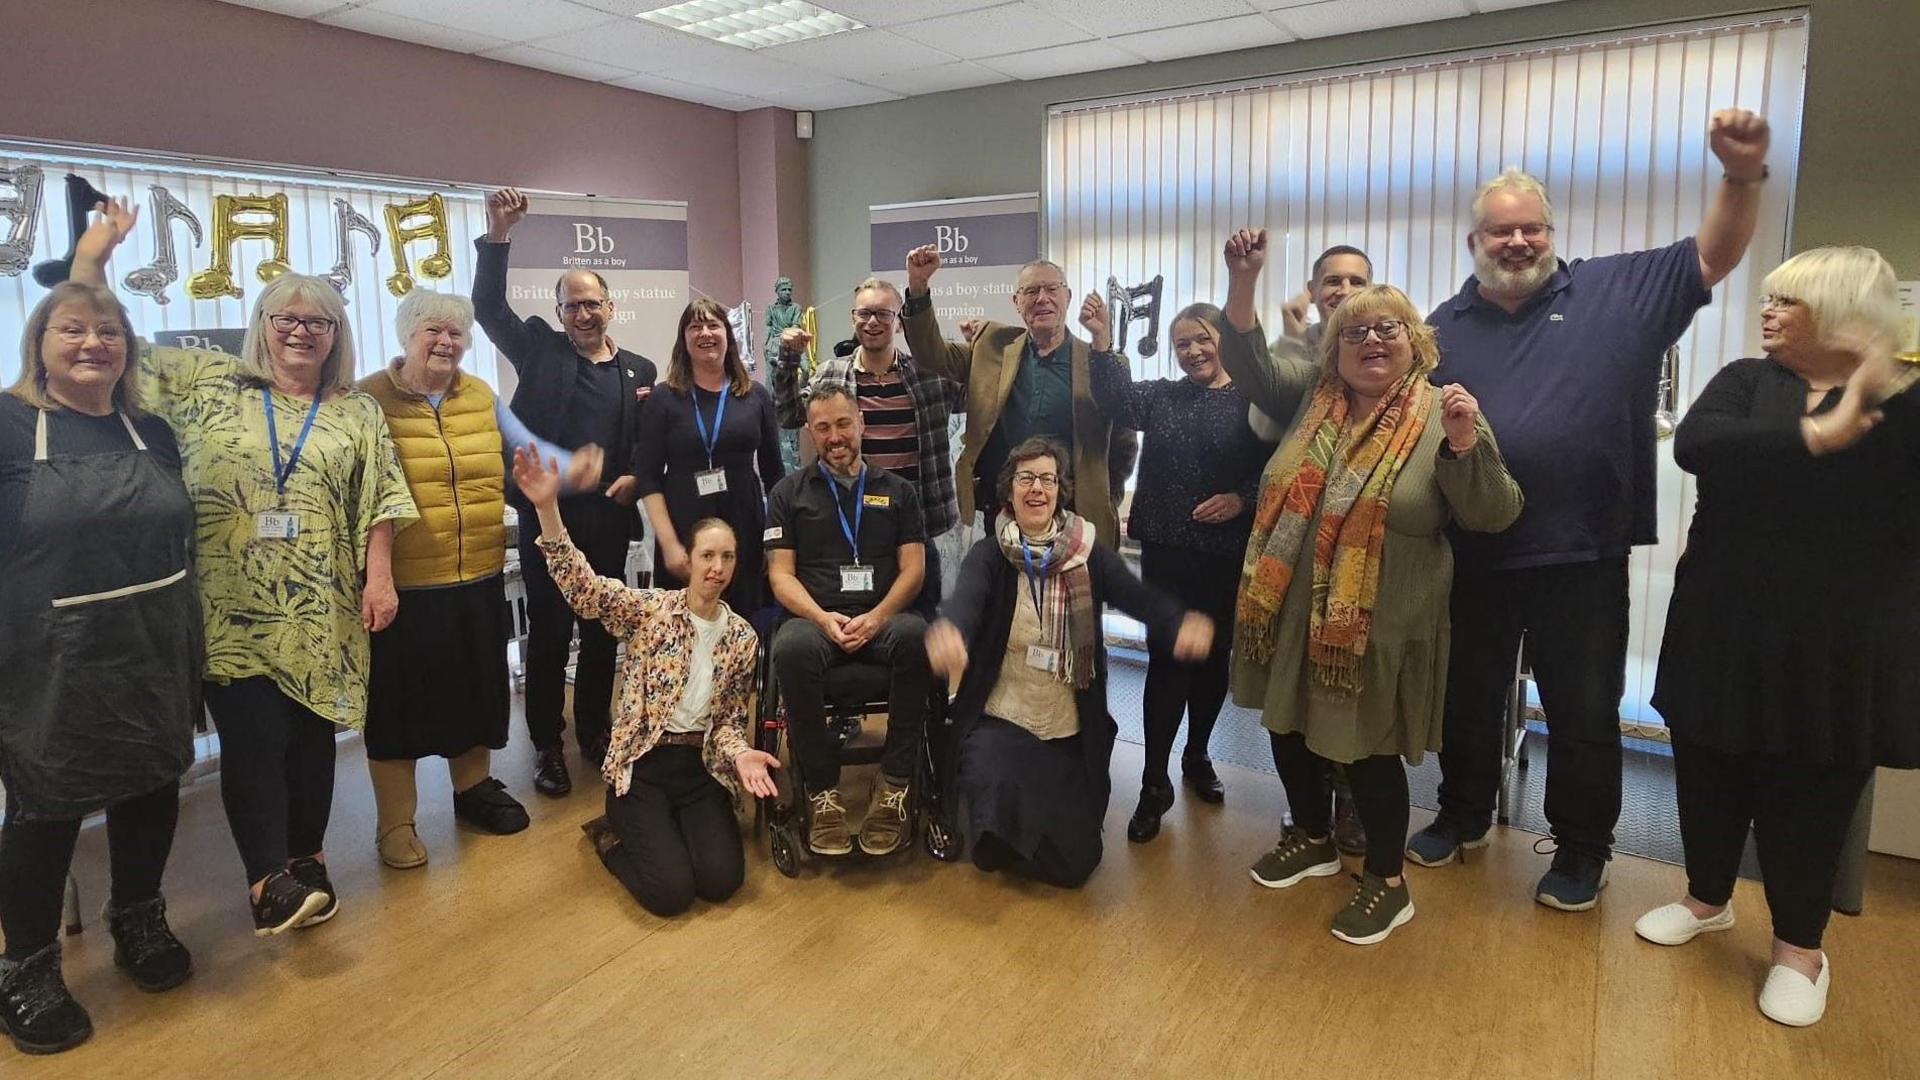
x=1387 y=158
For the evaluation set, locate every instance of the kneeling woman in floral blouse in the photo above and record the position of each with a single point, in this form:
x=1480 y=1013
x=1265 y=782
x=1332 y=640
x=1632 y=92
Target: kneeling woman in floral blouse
x=679 y=749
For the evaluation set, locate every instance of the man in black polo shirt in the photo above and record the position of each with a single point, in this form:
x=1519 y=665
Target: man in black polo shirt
x=846 y=554
x=576 y=388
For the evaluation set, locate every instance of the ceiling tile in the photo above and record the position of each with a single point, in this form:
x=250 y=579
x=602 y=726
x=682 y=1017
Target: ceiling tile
x=503 y=20
x=860 y=54
x=841 y=95
x=993 y=31
x=1330 y=18
x=1061 y=60
x=1205 y=39
x=639 y=47
x=1112 y=18
x=1502 y=5
x=699 y=95
x=299 y=9
x=399 y=27
x=560 y=63
x=937 y=80
x=892 y=12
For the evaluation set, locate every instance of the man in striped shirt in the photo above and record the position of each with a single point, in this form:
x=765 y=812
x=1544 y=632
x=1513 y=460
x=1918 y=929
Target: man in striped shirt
x=905 y=410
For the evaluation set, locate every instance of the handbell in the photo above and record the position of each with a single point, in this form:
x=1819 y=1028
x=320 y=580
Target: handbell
x=1666 y=419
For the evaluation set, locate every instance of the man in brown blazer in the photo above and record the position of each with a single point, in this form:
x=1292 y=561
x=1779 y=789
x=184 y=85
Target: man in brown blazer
x=1023 y=382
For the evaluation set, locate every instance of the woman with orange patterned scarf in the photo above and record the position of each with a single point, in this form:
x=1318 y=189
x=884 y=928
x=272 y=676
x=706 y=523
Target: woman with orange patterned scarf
x=1341 y=631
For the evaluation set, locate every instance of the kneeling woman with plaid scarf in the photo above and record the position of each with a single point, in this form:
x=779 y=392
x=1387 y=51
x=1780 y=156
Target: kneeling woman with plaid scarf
x=1022 y=632
x=1340 y=638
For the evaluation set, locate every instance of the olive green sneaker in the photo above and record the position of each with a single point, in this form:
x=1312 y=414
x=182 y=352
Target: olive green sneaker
x=886 y=826
x=1375 y=911
x=828 y=834
x=1294 y=859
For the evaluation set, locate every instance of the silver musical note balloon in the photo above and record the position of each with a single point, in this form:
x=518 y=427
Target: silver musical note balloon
x=22 y=211
x=347 y=221
x=152 y=279
x=741 y=318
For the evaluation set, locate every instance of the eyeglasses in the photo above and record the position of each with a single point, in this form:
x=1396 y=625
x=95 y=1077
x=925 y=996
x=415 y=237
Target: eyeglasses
x=1385 y=330
x=1050 y=288
x=76 y=335
x=1776 y=302
x=880 y=315
x=1530 y=233
x=1046 y=481
x=591 y=307
x=317 y=325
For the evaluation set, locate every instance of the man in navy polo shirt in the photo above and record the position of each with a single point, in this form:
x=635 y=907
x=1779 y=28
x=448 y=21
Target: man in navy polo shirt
x=846 y=556
x=1565 y=359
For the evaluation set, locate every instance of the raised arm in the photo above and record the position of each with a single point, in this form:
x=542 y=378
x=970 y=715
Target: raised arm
x=922 y=326
x=789 y=406
x=516 y=339
x=1273 y=378
x=1473 y=477
x=619 y=607
x=112 y=224
x=1739 y=139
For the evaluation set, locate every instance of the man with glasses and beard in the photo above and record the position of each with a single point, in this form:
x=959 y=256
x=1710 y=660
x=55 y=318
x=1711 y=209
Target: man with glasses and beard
x=1026 y=382
x=1565 y=360
x=904 y=408
x=576 y=388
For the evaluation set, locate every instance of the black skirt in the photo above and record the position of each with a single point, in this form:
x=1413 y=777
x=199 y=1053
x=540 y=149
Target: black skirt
x=439 y=681
x=1028 y=791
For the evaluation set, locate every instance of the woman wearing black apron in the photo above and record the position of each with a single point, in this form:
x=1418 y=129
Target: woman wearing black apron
x=100 y=655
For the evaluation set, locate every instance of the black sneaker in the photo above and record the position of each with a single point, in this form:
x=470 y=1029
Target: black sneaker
x=1155 y=800
x=144 y=946
x=312 y=873
x=1574 y=882
x=284 y=904
x=1204 y=782
x=550 y=774
x=39 y=1014
x=487 y=805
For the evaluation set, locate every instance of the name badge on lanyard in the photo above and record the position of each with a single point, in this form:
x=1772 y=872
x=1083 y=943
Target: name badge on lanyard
x=710 y=481
x=1044 y=659
x=854 y=577
x=1039 y=657
x=281 y=523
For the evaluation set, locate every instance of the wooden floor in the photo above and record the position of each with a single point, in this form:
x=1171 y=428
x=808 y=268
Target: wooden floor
x=520 y=957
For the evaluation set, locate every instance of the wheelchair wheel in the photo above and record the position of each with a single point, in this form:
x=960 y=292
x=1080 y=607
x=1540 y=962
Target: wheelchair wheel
x=941 y=843
x=785 y=860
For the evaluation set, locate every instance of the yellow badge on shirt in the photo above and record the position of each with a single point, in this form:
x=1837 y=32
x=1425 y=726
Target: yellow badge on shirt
x=877 y=500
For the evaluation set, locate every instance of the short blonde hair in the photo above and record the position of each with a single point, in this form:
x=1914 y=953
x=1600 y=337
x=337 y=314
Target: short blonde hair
x=1842 y=287
x=337 y=371
x=1513 y=181
x=423 y=306
x=31 y=386
x=1389 y=302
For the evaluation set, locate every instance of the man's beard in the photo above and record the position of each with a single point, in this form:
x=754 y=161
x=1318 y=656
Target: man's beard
x=1501 y=281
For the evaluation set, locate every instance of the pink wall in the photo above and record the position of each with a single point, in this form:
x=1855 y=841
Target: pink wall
x=773 y=207
x=210 y=79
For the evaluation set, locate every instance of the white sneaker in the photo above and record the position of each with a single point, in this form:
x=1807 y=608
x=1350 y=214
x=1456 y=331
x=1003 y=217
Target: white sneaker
x=1673 y=924
x=1790 y=999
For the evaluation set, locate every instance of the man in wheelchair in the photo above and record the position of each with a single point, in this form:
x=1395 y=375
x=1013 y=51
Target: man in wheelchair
x=846 y=555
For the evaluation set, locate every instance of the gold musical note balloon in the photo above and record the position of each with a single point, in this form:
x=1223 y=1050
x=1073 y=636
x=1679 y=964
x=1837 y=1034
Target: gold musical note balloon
x=810 y=322
x=403 y=227
x=228 y=229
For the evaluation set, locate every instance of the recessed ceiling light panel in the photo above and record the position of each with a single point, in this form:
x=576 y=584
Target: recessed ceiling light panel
x=752 y=24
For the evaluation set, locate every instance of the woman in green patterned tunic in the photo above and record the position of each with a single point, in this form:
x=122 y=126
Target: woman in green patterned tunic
x=297 y=494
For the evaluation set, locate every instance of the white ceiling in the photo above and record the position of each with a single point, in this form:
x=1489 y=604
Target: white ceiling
x=911 y=47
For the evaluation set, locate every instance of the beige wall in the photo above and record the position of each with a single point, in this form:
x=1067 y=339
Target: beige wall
x=1858 y=163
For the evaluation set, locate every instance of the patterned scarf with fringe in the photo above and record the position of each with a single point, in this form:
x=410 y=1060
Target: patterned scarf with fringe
x=1067 y=621
x=1348 y=477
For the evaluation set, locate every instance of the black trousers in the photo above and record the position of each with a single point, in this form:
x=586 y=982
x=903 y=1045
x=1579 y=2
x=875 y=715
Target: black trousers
x=600 y=528
x=678 y=836
x=1379 y=796
x=1574 y=621
x=35 y=856
x=1799 y=815
x=1200 y=582
x=802 y=655
x=276 y=773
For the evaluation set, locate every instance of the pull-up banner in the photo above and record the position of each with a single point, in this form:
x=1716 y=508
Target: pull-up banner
x=983 y=243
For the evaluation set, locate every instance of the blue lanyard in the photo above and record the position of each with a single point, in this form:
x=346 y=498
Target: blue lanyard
x=719 y=414
x=851 y=532
x=282 y=472
x=1034 y=576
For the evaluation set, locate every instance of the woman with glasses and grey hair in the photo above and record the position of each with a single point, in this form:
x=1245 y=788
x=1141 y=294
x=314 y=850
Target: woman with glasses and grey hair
x=439 y=683
x=1787 y=671
x=297 y=495
x=1341 y=632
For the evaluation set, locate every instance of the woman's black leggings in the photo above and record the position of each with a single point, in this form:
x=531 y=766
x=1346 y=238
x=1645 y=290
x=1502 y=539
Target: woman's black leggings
x=276 y=773
x=36 y=855
x=1379 y=796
